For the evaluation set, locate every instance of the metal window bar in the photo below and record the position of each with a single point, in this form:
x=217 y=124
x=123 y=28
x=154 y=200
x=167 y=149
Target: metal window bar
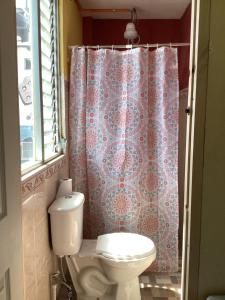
x=49 y=56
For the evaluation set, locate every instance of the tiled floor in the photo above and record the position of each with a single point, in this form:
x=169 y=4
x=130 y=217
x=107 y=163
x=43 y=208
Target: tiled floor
x=160 y=286
x=146 y=294
x=155 y=286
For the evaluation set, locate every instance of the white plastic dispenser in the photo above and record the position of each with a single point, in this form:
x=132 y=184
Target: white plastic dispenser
x=66 y=214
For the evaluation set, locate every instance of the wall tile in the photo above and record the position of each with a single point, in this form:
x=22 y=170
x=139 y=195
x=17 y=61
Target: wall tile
x=38 y=259
x=40 y=204
x=43 y=290
x=30 y=293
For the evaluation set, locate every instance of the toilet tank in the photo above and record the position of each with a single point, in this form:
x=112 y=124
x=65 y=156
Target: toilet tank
x=66 y=215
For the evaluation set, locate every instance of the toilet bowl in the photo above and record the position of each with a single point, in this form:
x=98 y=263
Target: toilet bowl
x=124 y=257
x=106 y=268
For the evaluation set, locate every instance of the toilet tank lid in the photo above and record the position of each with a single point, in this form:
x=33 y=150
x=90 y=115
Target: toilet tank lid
x=67 y=203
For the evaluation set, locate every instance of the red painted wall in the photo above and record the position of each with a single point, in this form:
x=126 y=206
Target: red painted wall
x=110 y=32
x=184 y=52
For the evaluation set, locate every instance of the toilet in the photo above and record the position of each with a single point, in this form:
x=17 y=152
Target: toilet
x=106 y=268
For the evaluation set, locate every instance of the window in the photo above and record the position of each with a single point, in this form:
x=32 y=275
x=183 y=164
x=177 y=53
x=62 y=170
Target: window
x=37 y=55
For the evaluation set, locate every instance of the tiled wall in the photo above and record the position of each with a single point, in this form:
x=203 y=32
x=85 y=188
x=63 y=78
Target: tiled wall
x=38 y=191
x=38 y=260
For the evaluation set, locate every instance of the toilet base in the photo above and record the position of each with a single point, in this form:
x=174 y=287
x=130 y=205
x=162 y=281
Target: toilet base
x=128 y=290
x=124 y=291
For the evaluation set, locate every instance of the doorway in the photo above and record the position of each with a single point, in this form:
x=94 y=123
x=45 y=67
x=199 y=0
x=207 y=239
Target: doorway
x=194 y=158
x=168 y=31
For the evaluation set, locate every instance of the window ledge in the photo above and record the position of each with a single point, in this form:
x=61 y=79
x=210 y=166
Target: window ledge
x=32 y=180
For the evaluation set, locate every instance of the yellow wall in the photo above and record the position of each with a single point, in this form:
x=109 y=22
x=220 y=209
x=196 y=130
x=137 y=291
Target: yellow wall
x=212 y=250
x=70 y=32
x=207 y=187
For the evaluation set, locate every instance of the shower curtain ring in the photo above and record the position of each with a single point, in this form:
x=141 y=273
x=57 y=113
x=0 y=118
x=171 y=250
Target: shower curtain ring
x=98 y=47
x=112 y=48
x=157 y=46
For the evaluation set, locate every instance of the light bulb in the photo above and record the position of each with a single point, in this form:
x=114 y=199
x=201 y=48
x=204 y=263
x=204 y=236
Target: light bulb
x=130 y=32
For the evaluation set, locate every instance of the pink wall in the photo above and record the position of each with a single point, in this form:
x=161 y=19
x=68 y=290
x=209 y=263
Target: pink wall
x=38 y=191
x=110 y=32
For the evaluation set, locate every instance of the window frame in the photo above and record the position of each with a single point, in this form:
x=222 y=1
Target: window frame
x=39 y=147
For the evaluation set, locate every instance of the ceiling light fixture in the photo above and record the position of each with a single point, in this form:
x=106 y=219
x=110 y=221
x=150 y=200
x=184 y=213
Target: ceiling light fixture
x=131 y=34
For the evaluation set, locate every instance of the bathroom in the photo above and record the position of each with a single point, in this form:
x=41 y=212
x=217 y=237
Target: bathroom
x=46 y=143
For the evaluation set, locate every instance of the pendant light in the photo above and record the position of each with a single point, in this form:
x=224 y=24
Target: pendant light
x=131 y=34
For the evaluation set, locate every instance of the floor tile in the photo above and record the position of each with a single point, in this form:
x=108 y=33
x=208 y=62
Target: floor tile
x=163 y=280
x=174 y=279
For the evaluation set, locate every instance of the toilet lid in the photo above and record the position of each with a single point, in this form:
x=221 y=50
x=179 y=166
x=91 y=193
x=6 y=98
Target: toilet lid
x=124 y=246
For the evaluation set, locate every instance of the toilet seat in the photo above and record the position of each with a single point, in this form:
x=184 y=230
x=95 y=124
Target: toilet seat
x=119 y=246
x=124 y=246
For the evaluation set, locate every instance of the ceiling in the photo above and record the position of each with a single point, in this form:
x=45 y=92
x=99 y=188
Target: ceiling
x=146 y=9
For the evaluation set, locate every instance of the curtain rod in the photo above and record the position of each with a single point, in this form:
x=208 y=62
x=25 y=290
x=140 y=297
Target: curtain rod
x=131 y=46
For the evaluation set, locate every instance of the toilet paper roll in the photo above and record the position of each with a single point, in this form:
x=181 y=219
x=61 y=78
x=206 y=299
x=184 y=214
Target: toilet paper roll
x=65 y=187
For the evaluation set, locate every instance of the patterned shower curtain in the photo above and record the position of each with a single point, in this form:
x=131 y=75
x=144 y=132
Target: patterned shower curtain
x=123 y=134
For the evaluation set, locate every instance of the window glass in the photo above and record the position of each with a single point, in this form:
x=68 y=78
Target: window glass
x=37 y=80
x=25 y=81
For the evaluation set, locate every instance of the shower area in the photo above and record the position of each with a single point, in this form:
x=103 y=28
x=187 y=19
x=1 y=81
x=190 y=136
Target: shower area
x=127 y=130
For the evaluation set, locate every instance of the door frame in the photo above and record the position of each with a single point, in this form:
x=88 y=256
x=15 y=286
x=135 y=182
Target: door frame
x=194 y=164
x=11 y=268
x=194 y=149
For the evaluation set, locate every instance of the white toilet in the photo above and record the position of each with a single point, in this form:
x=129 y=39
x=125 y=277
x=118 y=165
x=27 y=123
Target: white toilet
x=106 y=268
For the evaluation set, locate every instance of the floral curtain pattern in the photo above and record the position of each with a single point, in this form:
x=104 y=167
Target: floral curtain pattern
x=123 y=134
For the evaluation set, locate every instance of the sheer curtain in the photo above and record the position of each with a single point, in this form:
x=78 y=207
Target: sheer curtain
x=123 y=134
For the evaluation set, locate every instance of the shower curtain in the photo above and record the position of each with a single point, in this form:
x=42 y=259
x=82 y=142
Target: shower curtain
x=123 y=134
